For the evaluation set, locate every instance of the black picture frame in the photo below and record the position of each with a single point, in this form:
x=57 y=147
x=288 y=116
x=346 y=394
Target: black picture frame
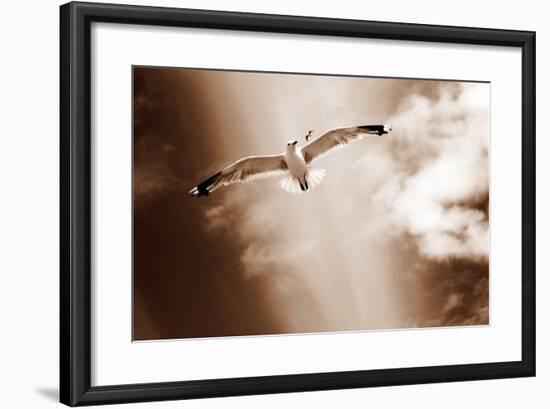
x=76 y=199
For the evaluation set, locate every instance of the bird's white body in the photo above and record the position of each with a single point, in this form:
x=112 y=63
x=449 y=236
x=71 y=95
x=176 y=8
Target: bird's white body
x=296 y=163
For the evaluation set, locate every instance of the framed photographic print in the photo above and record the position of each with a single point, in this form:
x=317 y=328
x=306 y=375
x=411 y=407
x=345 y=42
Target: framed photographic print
x=216 y=241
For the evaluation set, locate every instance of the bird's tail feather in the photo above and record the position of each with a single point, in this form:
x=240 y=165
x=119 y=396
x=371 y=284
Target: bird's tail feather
x=290 y=184
x=314 y=177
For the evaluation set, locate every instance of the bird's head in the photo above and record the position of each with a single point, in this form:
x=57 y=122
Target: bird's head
x=291 y=145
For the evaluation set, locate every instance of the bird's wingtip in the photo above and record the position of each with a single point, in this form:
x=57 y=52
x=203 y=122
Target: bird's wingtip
x=197 y=192
x=377 y=129
x=204 y=188
x=194 y=192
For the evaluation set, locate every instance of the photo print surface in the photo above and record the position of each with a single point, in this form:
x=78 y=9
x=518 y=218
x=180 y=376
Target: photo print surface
x=275 y=203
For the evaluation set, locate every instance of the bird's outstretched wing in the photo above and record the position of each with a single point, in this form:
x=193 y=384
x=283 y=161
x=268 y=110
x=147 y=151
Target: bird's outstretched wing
x=244 y=170
x=340 y=137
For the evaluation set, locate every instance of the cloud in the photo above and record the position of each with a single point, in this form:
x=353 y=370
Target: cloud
x=442 y=171
x=460 y=299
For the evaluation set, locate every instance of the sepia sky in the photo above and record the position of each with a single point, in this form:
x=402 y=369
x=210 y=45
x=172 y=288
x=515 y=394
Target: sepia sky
x=396 y=236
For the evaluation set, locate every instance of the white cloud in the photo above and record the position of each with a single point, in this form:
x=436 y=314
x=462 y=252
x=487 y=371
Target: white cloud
x=446 y=167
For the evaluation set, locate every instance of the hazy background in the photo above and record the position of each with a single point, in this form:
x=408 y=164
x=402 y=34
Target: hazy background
x=396 y=236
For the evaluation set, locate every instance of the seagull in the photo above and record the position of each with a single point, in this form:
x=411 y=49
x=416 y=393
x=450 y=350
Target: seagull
x=294 y=164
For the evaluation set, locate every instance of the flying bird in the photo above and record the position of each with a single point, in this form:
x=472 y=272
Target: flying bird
x=294 y=164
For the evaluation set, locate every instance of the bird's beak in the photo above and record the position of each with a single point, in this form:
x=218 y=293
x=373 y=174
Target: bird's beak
x=295 y=142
